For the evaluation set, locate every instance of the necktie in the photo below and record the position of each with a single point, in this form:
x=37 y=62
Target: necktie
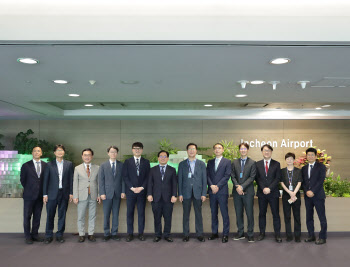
x=311 y=166
x=216 y=164
x=242 y=164
x=38 y=170
x=113 y=168
x=137 y=167
x=266 y=168
x=162 y=172
x=88 y=174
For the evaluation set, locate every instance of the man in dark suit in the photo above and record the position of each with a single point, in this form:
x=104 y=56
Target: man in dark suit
x=57 y=191
x=162 y=192
x=268 y=177
x=135 y=174
x=112 y=189
x=32 y=181
x=192 y=188
x=243 y=176
x=218 y=174
x=314 y=174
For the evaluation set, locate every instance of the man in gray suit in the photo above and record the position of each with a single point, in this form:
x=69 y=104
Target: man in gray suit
x=243 y=176
x=112 y=189
x=85 y=194
x=192 y=188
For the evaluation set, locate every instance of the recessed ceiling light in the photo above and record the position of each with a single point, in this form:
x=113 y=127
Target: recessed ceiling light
x=129 y=82
x=240 y=95
x=73 y=95
x=60 y=81
x=88 y=105
x=28 y=60
x=208 y=105
x=325 y=106
x=318 y=108
x=280 y=60
x=257 y=82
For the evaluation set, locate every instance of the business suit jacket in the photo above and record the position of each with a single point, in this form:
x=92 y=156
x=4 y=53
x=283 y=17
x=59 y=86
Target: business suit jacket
x=51 y=180
x=249 y=175
x=109 y=184
x=130 y=177
x=162 y=189
x=271 y=180
x=198 y=183
x=220 y=177
x=81 y=182
x=32 y=184
x=315 y=183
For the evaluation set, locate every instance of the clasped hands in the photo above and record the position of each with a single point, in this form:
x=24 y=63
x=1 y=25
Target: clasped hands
x=136 y=190
x=239 y=190
x=214 y=189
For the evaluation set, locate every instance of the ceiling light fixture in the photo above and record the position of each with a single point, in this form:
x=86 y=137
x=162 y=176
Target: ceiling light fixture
x=60 y=81
x=28 y=60
x=274 y=84
x=92 y=82
x=240 y=96
x=303 y=84
x=88 y=105
x=318 y=108
x=73 y=95
x=279 y=61
x=129 y=82
x=325 y=106
x=208 y=105
x=257 y=82
x=243 y=83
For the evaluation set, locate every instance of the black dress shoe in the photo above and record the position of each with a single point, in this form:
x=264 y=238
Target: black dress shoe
x=186 y=238
x=115 y=238
x=278 y=239
x=81 y=239
x=225 y=239
x=251 y=239
x=91 y=238
x=297 y=239
x=213 y=237
x=157 y=239
x=37 y=239
x=141 y=237
x=289 y=238
x=29 y=241
x=261 y=236
x=60 y=239
x=106 y=238
x=310 y=239
x=48 y=240
x=169 y=239
x=201 y=239
x=238 y=237
x=320 y=241
x=129 y=238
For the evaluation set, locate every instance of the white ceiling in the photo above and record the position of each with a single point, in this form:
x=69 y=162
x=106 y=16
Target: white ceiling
x=182 y=54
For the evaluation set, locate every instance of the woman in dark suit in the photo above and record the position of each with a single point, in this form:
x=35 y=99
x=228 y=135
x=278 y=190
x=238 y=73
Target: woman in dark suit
x=291 y=181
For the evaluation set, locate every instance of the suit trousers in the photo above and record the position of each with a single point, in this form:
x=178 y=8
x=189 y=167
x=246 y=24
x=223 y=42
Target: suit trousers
x=319 y=205
x=222 y=202
x=132 y=200
x=111 y=205
x=197 y=205
x=83 y=205
x=32 y=208
x=263 y=201
x=246 y=202
x=165 y=209
x=62 y=204
x=287 y=210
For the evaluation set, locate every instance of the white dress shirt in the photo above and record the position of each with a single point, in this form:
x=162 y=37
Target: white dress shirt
x=60 y=172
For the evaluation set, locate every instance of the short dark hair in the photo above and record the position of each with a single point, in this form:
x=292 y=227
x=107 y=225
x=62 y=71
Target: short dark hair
x=87 y=149
x=59 y=146
x=268 y=146
x=191 y=144
x=137 y=144
x=114 y=147
x=311 y=149
x=289 y=154
x=163 y=151
x=243 y=144
x=38 y=147
x=218 y=144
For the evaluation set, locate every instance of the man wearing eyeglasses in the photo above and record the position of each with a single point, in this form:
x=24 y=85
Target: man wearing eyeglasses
x=135 y=174
x=192 y=188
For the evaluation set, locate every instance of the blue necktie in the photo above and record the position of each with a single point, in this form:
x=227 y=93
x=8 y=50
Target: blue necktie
x=242 y=164
x=162 y=171
x=113 y=168
x=137 y=167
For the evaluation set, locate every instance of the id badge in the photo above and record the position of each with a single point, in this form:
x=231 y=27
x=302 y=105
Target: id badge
x=189 y=175
x=241 y=175
x=291 y=188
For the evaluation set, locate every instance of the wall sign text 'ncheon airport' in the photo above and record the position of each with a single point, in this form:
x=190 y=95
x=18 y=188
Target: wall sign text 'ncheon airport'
x=284 y=143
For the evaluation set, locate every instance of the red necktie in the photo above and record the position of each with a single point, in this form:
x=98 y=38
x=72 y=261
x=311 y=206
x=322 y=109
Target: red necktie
x=266 y=168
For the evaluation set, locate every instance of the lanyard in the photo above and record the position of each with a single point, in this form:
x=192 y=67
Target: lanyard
x=189 y=167
x=290 y=177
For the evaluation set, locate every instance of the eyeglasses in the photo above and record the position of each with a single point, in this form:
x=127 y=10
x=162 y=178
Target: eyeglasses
x=137 y=148
x=113 y=152
x=243 y=149
x=59 y=150
x=267 y=150
x=163 y=157
x=191 y=149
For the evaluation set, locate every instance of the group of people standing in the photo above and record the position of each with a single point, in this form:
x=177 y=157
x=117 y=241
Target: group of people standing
x=57 y=183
